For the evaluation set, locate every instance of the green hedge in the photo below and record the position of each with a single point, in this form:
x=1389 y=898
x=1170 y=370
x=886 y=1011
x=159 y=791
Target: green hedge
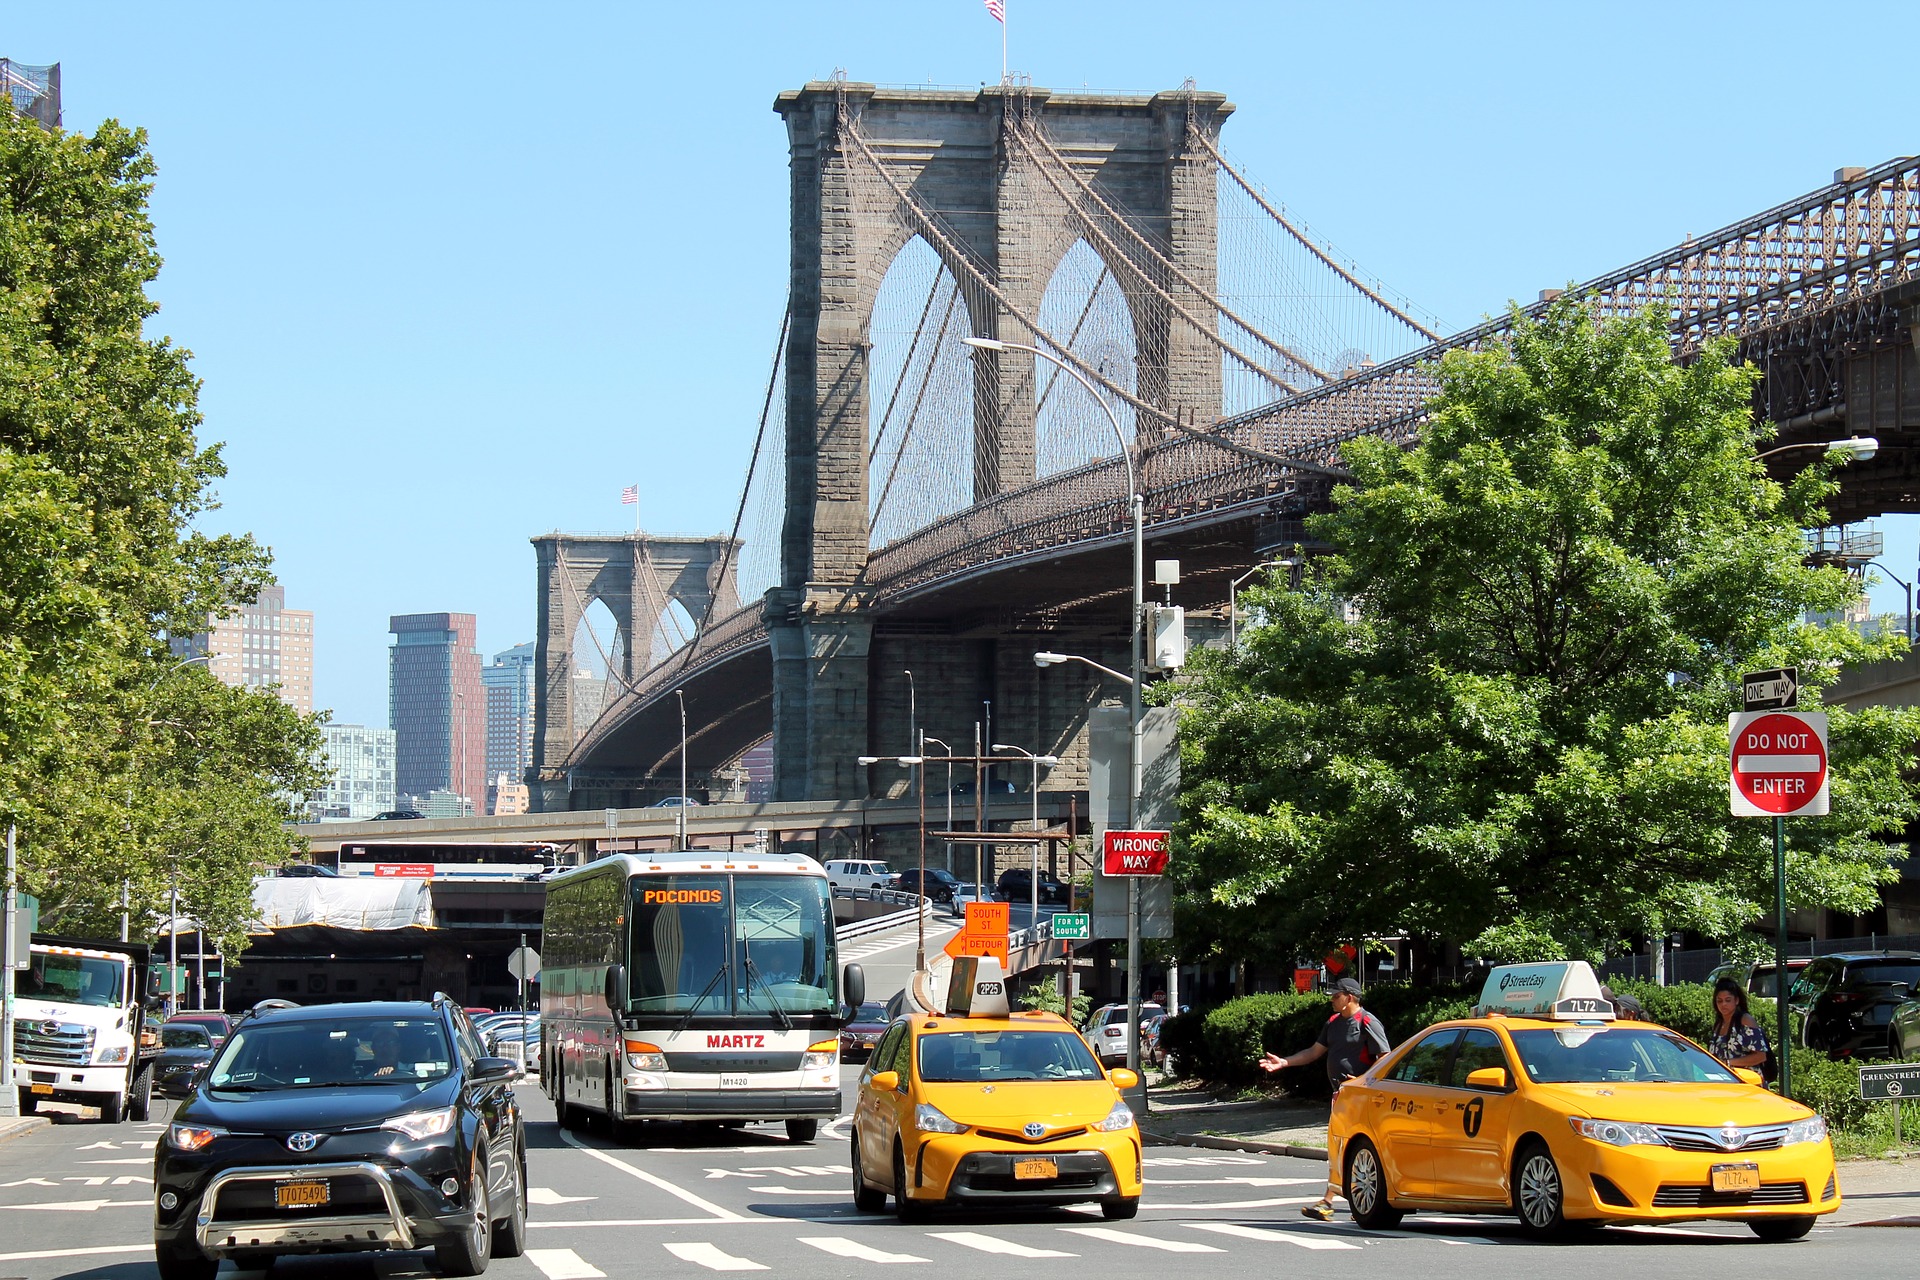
x=1224 y=1045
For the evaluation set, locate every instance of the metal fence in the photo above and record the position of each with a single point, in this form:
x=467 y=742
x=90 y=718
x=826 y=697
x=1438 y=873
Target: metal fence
x=1695 y=965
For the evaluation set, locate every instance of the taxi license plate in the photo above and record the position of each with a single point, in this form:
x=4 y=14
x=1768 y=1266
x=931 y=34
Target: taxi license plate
x=42 y=1088
x=1736 y=1177
x=733 y=1082
x=290 y=1195
x=1025 y=1170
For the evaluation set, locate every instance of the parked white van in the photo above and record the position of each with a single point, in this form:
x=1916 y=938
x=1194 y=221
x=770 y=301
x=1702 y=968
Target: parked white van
x=858 y=875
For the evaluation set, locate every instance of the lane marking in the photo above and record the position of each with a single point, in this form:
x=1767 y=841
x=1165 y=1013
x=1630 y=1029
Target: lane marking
x=547 y=1195
x=1244 y=1182
x=711 y=1257
x=841 y=1247
x=577 y=1223
x=993 y=1244
x=1142 y=1242
x=723 y=1215
x=563 y=1264
x=78 y=1206
x=1269 y=1233
x=1238 y=1204
x=1657 y=1230
x=31 y=1254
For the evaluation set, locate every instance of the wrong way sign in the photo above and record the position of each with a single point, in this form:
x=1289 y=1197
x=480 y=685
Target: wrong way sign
x=1778 y=763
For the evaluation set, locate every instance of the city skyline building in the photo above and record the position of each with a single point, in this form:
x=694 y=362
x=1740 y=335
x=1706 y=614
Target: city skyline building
x=361 y=760
x=509 y=684
x=261 y=645
x=436 y=706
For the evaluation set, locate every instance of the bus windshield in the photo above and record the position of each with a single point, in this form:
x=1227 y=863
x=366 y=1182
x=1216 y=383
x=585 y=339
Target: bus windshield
x=715 y=944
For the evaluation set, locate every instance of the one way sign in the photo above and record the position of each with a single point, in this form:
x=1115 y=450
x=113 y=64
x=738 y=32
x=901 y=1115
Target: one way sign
x=1775 y=690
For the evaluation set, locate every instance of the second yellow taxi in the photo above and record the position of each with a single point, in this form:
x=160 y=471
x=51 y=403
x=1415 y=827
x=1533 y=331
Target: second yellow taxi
x=1546 y=1107
x=978 y=1105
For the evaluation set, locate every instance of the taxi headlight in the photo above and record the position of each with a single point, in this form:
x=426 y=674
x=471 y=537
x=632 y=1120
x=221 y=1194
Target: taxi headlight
x=1617 y=1133
x=420 y=1125
x=820 y=1055
x=1812 y=1129
x=930 y=1119
x=1121 y=1117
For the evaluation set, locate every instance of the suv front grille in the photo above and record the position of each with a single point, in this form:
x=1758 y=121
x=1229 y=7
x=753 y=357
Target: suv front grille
x=54 y=1044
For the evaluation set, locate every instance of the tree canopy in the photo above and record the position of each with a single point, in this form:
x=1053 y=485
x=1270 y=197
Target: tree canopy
x=1497 y=714
x=116 y=765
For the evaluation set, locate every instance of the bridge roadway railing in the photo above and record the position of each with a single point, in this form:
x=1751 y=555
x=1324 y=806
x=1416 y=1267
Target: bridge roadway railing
x=1854 y=238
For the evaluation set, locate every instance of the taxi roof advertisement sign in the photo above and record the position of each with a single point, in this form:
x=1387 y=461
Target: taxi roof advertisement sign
x=1778 y=764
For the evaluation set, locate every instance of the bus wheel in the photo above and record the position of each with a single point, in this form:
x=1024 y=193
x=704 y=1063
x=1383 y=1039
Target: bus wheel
x=565 y=1112
x=802 y=1130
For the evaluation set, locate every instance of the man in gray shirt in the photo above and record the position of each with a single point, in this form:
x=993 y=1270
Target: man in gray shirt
x=1351 y=1041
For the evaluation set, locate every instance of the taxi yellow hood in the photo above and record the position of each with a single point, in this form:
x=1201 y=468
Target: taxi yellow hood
x=1691 y=1104
x=1055 y=1103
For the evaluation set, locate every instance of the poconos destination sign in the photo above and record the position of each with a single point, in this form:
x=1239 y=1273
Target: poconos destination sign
x=1779 y=763
x=1136 y=853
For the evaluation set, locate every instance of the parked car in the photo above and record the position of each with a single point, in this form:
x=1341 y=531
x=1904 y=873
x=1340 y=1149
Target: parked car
x=1905 y=1030
x=1847 y=1000
x=677 y=802
x=940 y=883
x=859 y=875
x=1106 y=1030
x=995 y=787
x=185 y=1048
x=1016 y=885
x=344 y=1127
x=218 y=1024
x=1150 y=1051
x=399 y=815
x=858 y=1037
x=521 y=1027
x=1759 y=980
x=964 y=892
x=307 y=870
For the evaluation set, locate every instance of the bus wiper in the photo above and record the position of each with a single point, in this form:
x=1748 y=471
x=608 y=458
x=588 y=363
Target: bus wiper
x=753 y=976
x=687 y=1017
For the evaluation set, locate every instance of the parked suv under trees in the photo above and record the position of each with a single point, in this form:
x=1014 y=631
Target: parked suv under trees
x=1847 y=1000
x=346 y=1127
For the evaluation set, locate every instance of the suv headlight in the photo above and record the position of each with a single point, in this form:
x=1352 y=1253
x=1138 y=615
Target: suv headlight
x=1121 y=1117
x=1617 y=1133
x=419 y=1125
x=1812 y=1129
x=116 y=1054
x=820 y=1055
x=930 y=1119
x=183 y=1137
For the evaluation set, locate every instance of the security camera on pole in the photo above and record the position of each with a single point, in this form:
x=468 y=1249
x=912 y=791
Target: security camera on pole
x=1777 y=768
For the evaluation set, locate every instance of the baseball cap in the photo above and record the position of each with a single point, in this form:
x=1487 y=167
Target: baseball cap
x=1345 y=987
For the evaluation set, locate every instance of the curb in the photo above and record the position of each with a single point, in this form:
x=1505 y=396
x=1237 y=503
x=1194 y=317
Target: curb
x=22 y=1125
x=1217 y=1143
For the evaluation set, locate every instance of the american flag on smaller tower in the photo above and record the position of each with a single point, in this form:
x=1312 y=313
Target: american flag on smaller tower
x=630 y=495
x=998 y=9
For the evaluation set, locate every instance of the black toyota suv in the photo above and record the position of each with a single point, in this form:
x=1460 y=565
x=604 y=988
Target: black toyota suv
x=344 y=1127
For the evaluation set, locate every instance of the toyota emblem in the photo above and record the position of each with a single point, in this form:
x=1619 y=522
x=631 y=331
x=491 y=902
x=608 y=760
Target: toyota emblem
x=1034 y=1129
x=1731 y=1137
x=302 y=1142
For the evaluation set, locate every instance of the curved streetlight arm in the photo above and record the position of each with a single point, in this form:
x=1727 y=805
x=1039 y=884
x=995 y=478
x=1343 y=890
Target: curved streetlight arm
x=184 y=662
x=1055 y=659
x=1855 y=448
x=1903 y=585
x=1126 y=453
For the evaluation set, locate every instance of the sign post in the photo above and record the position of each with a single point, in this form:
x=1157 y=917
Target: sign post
x=523 y=962
x=1893 y=1082
x=1777 y=768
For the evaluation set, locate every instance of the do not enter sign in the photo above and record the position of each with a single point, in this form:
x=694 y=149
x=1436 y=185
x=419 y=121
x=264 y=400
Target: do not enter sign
x=1779 y=763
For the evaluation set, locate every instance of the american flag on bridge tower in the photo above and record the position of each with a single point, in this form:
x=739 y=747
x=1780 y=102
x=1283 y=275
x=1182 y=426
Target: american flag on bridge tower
x=998 y=9
x=630 y=495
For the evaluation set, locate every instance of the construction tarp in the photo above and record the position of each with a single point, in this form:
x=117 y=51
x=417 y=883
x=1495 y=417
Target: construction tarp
x=362 y=903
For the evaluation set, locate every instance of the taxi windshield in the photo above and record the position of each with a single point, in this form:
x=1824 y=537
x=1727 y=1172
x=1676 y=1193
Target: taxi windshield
x=973 y=1057
x=1615 y=1055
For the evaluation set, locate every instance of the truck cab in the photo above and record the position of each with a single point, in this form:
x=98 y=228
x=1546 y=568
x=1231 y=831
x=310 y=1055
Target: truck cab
x=79 y=1014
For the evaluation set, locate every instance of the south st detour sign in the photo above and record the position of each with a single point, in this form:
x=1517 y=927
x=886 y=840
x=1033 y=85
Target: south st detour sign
x=1778 y=764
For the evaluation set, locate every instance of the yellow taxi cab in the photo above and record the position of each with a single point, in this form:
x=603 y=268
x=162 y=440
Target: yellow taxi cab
x=1542 y=1105
x=977 y=1105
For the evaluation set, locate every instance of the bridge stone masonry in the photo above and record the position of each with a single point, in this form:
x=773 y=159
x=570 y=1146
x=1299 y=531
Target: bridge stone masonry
x=1234 y=419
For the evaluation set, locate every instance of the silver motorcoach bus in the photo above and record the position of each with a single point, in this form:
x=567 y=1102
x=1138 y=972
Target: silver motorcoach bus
x=693 y=986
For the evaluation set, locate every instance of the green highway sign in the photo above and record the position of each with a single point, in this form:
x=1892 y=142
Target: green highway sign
x=1070 y=926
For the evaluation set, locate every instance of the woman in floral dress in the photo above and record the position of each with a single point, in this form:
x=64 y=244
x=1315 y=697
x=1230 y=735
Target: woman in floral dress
x=1737 y=1039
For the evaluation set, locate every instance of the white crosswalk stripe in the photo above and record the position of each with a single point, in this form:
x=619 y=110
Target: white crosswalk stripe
x=993 y=1244
x=563 y=1264
x=1298 y=1238
x=1143 y=1242
x=711 y=1257
x=841 y=1247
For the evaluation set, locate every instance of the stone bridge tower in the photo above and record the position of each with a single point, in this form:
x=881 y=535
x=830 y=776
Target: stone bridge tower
x=956 y=151
x=635 y=576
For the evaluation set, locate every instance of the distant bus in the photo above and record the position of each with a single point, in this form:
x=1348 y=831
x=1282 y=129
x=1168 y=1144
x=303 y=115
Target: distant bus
x=693 y=986
x=447 y=860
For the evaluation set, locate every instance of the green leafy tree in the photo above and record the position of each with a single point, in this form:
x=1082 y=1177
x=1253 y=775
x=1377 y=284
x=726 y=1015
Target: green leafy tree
x=1498 y=716
x=111 y=763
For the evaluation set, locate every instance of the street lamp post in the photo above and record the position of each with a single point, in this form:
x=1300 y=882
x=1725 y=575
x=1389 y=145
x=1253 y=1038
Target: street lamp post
x=680 y=817
x=924 y=740
x=1908 y=586
x=1033 y=912
x=1233 y=597
x=1853 y=448
x=920 y=919
x=1138 y=506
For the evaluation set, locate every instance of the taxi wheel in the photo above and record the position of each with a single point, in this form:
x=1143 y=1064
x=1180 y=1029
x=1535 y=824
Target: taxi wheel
x=1367 y=1188
x=1539 y=1197
x=904 y=1209
x=865 y=1198
x=1780 y=1230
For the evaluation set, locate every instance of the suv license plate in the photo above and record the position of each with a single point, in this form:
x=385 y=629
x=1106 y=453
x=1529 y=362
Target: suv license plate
x=733 y=1082
x=290 y=1195
x=1025 y=1170
x=1735 y=1177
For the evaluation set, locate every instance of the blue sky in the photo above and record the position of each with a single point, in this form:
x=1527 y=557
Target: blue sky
x=455 y=273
